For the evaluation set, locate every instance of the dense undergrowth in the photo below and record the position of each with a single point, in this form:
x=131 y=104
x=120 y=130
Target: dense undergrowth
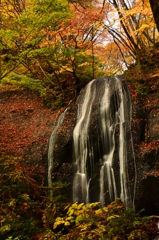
x=28 y=211
x=144 y=76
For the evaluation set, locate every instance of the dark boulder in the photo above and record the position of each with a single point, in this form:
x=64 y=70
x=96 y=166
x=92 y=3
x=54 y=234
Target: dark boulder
x=146 y=145
x=145 y=128
x=91 y=145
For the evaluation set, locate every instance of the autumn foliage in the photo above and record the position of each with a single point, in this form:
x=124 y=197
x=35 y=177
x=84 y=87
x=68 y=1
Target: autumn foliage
x=74 y=42
x=23 y=119
x=49 y=50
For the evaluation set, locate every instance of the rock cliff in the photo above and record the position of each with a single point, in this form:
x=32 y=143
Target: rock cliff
x=145 y=131
x=146 y=144
x=26 y=126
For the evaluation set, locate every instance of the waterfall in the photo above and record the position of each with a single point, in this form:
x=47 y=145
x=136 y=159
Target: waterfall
x=114 y=109
x=80 y=138
x=51 y=147
x=103 y=153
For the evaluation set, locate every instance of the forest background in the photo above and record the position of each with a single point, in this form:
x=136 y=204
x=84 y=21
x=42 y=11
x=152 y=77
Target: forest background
x=55 y=47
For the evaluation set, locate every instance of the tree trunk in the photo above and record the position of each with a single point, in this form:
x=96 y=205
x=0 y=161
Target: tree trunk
x=0 y=68
x=0 y=43
x=155 y=9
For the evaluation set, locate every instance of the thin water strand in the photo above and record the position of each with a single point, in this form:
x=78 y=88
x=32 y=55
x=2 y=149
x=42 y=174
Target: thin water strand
x=51 y=147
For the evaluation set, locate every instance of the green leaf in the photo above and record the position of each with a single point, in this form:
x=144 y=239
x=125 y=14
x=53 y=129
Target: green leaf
x=136 y=223
x=5 y=228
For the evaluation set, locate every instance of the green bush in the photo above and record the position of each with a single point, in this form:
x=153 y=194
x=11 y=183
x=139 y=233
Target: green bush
x=29 y=211
x=20 y=209
x=92 y=222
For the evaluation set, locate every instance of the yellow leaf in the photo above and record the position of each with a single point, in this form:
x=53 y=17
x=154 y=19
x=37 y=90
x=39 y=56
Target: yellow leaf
x=58 y=221
x=67 y=223
x=74 y=205
x=80 y=205
x=98 y=212
x=111 y=217
x=92 y=205
x=69 y=218
x=66 y=207
x=71 y=212
x=105 y=209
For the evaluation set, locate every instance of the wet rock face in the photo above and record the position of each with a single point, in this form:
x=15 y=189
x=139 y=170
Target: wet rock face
x=93 y=145
x=62 y=151
x=145 y=129
x=26 y=126
x=153 y=125
x=146 y=144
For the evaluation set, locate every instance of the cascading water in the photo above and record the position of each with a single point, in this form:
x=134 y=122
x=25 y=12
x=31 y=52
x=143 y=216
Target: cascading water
x=80 y=138
x=114 y=110
x=51 y=147
x=103 y=153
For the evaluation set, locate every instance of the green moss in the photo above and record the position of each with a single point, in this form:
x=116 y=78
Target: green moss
x=19 y=81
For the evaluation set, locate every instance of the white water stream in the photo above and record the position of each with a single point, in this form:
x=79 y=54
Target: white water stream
x=80 y=139
x=114 y=113
x=51 y=147
x=108 y=125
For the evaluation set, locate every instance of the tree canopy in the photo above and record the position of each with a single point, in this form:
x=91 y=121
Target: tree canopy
x=65 y=44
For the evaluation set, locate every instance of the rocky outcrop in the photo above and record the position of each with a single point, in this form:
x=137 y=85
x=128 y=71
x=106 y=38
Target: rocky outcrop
x=146 y=143
x=26 y=125
x=91 y=145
